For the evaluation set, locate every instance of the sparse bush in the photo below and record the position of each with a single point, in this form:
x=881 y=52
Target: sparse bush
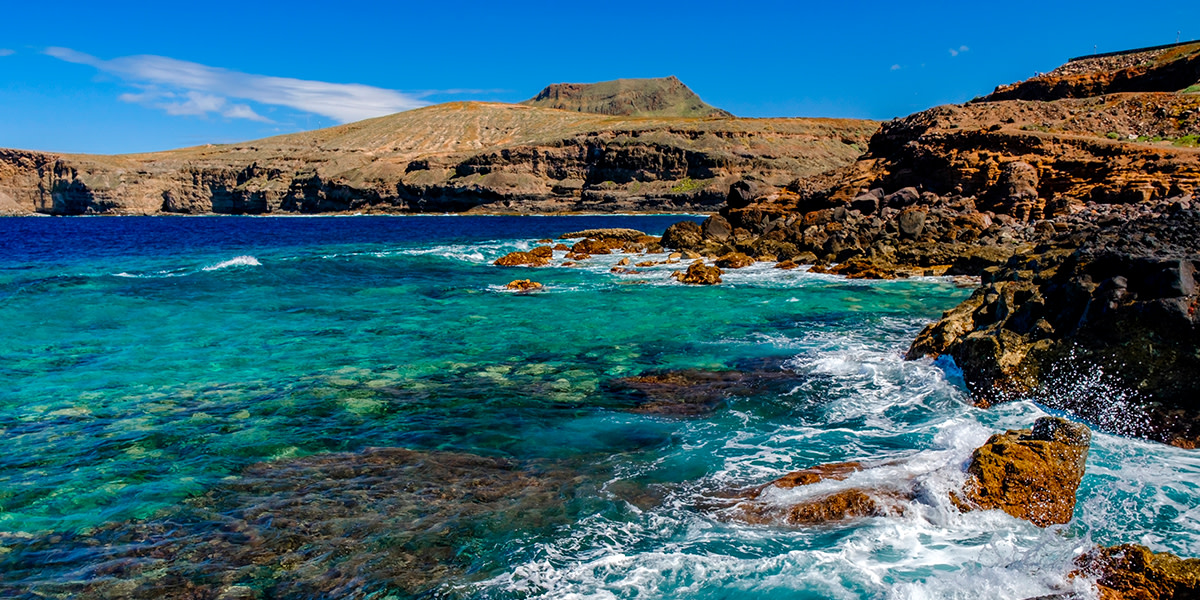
x=1189 y=141
x=1191 y=89
x=1112 y=135
x=685 y=185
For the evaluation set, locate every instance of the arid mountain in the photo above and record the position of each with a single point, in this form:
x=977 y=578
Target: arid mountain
x=447 y=158
x=664 y=97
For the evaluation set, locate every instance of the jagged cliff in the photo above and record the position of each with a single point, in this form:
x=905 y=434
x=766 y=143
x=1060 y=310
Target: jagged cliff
x=452 y=157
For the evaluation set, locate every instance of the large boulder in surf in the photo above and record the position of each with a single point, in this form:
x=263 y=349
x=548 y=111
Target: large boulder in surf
x=684 y=235
x=1031 y=474
x=522 y=259
x=700 y=274
x=1133 y=572
x=734 y=260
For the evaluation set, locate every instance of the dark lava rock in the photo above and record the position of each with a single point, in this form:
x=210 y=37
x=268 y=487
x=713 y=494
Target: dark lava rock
x=716 y=228
x=684 y=235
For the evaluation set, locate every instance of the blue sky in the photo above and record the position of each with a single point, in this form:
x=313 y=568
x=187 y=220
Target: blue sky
x=115 y=77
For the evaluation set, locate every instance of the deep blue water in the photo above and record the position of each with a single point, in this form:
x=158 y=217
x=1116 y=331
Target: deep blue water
x=147 y=363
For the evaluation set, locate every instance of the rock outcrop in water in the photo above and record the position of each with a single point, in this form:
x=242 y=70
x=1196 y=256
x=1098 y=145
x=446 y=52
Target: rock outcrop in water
x=1035 y=196
x=1133 y=572
x=455 y=157
x=1031 y=474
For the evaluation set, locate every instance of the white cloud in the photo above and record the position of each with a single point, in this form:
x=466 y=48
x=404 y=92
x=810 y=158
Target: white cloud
x=186 y=88
x=895 y=67
x=958 y=50
x=7 y=52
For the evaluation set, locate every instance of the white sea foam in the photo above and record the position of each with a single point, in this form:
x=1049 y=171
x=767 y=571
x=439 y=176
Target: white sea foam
x=237 y=261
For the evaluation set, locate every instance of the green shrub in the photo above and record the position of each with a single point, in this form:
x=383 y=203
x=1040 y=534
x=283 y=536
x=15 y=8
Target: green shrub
x=1188 y=141
x=1191 y=89
x=685 y=185
x=1112 y=135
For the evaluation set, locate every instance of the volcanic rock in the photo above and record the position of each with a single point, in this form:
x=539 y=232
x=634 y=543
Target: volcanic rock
x=699 y=274
x=524 y=285
x=734 y=260
x=1133 y=572
x=522 y=259
x=1029 y=474
x=684 y=235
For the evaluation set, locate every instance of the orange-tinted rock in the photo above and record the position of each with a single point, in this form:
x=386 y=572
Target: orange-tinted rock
x=623 y=262
x=843 y=505
x=786 y=265
x=734 y=260
x=524 y=285
x=562 y=247
x=1132 y=572
x=700 y=274
x=543 y=251
x=521 y=259
x=648 y=263
x=812 y=475
x=1029 y=474
x=597 y=246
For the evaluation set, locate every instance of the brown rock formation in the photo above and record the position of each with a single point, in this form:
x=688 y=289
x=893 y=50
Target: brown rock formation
x=522 y=259
x=1167 y=69
x=524 y=285
x=1029 y=474
x=699 y=274
x=1132 y=572
x=734 y=260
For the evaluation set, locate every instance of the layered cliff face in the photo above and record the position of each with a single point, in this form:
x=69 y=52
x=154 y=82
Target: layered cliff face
x=1163 y=69
x=665 y=97
x=446 y=158
x=1078 y=212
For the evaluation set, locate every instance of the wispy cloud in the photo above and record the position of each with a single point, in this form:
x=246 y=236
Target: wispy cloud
x=958 y=50
x=895 y=67
x=7 y=52
x=186 y=88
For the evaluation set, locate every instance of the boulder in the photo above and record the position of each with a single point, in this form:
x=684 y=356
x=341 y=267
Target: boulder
x=745 y=192
x=684 y=235
x=832 y=507
x=911 y=222
x=902 y=198
x=522 y=259
x=543 y=251
x=786 y=265
x=699 y=274
x=734 y=260
x=1031 y=474
x=716 y=228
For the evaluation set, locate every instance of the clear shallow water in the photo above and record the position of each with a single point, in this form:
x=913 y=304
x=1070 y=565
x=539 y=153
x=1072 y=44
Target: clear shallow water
x=146 y=362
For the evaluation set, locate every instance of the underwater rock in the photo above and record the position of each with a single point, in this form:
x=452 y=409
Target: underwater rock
x=1031 y=474
x=377 y=522
x=1133 y=572
x=521 y=259
x=700 y=274
x=524 y=285
x=692 y=392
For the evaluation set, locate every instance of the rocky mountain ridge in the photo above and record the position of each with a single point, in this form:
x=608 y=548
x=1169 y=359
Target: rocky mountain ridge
x=455 y=157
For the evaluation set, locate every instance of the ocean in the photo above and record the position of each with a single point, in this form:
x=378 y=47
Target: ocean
x=246 y=407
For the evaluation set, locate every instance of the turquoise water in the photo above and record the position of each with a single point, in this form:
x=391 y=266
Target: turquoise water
x=147 y=363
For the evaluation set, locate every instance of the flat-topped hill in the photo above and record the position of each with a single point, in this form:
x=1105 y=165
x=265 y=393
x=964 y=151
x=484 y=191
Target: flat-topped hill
x=661 y=97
